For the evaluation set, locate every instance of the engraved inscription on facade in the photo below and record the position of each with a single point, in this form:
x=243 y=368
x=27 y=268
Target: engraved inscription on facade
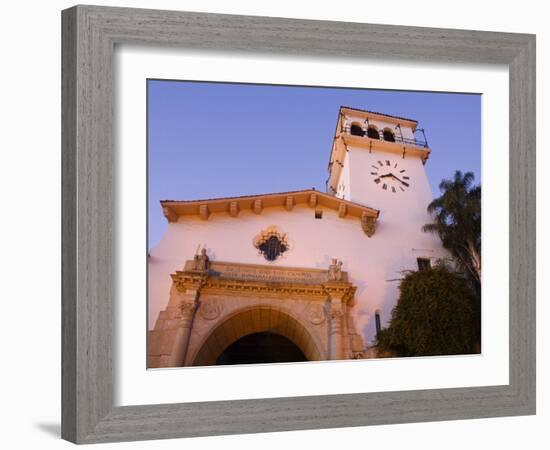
x=252 y=272
x=269 y=274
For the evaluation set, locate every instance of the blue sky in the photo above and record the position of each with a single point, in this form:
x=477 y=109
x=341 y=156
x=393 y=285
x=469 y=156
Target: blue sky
x=210 y=140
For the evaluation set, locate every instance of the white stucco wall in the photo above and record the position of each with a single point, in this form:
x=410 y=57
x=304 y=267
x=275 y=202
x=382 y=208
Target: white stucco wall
x=370 y=262
x=344 y=183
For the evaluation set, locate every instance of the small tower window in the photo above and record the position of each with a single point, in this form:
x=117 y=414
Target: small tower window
x=372 y=132
x=389 y=136
x=356 y=130
x=423 y=264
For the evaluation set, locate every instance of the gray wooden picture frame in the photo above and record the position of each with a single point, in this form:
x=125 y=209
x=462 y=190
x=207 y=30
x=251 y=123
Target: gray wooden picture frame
x=90 y=34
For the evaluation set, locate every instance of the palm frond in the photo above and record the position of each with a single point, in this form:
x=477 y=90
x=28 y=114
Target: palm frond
x=457 y=218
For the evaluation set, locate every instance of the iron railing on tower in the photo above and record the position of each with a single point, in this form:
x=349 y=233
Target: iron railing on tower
x=396 y=138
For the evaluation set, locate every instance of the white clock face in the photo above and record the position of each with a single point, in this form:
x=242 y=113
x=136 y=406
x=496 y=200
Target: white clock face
x=390 y=177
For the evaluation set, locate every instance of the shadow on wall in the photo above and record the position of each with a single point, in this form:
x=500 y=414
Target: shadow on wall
x=386 y=303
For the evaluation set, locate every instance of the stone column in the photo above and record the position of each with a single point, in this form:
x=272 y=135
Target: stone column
x=169 y=340
x=336 y=350
x=181 y=308
x=338 y=295
x=186 y=310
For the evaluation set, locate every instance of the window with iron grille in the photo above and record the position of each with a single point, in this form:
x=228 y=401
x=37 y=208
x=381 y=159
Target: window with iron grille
x=272 y=248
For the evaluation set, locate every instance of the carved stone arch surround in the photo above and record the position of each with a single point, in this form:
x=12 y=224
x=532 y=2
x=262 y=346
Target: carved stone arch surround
x=261 y=315
x=210 y=309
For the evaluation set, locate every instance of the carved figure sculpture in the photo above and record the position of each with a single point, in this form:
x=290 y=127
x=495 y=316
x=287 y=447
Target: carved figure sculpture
x=202 y=261
x=335 y=270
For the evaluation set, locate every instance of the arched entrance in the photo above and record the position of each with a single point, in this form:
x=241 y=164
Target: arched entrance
x=257 y=335
x=258 y=348
x=210 y=309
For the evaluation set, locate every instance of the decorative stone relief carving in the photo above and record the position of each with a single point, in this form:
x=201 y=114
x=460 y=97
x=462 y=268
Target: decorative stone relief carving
x=187 y=309
x=335 y=270
x=185 y=281
x=202 y=262
x=316 y=313
x=271 y=243
x=368 y=224
x=336 y=315
x=210 y=309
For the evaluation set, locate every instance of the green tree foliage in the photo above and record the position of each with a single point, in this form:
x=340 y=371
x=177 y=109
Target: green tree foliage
x=436 y=314
x=457 y=221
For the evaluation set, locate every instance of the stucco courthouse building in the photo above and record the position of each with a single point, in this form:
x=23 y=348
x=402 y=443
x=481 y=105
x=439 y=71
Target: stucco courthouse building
x=296 y=276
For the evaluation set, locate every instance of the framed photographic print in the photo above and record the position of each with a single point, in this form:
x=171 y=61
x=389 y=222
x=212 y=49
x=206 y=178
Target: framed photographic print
x=277 y=224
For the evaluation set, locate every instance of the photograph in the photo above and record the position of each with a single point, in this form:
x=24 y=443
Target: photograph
x=293 y=224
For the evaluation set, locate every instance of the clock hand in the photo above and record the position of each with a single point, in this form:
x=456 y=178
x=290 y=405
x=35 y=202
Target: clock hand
x=398 y=179
x=395 y=178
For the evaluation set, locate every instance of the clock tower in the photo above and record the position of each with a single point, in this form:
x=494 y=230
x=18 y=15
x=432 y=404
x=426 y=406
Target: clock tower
x=378 y=160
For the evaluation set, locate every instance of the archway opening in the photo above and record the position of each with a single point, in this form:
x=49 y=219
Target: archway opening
x=372 y=133
x=258 y=322
x=263 y=347
x=356 y=130
x=389 y=136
